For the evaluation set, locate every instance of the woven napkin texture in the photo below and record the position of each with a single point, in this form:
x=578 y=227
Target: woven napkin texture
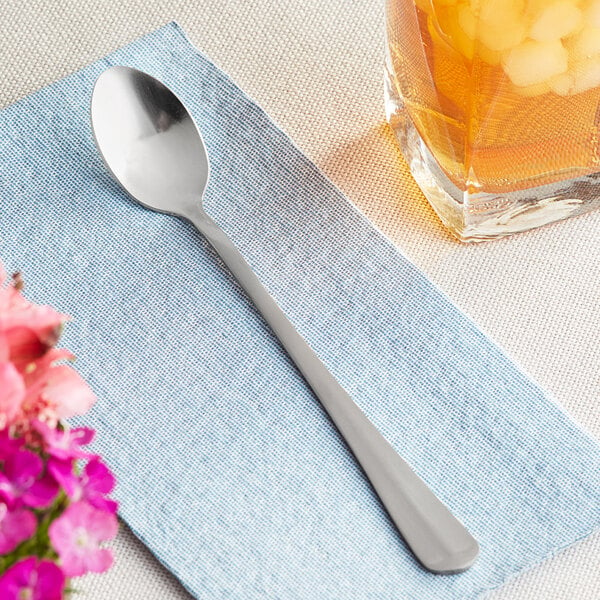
x=228 y=468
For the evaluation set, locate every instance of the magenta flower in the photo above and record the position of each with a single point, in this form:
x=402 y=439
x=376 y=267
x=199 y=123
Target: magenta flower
x=65 y=444
x=22 y=481
x=94 y=483
x=64 y=474
x=76 y=536
x=53 y=491
x=16 y=526
x=8 y=444
x=32 y=580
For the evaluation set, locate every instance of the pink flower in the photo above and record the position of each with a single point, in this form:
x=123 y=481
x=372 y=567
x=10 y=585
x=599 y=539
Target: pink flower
x=32 y=384
x=76 y=537
x=24 y=345
x=67 y=392
x=22 y=481
x=12 y=393
x=4 y=349
x=19 y=318
x=32 y=580
x=15 y=527
x=55 y=391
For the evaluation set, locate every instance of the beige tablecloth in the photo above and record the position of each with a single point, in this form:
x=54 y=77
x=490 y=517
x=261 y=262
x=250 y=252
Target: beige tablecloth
x=316 y=67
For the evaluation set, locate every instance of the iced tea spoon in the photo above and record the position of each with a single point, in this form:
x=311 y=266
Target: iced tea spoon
x=153 y=148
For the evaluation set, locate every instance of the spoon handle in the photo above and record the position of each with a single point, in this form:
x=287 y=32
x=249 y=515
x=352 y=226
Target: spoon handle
x=438 y=540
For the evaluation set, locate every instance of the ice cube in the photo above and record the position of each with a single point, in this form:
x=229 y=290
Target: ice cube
x=447 y=19
x=581 y=77
x=562 y=84
x=587 y=76
x=533 y=62
x=556 y=21
x=491 y=57
x=592 y=14
x=586 y=44
x=494 y=11
x=502 y=35
x=467 y=20
x=530 y=91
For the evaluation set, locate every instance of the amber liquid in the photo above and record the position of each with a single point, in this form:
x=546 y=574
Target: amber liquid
x=501 y=110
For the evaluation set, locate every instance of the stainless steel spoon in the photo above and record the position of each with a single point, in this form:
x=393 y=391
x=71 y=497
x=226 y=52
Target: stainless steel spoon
x=153 y=148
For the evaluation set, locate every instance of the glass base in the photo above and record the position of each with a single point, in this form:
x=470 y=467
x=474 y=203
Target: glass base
x=474 y=217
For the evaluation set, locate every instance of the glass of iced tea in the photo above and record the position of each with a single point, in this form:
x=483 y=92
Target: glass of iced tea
x=496 y=104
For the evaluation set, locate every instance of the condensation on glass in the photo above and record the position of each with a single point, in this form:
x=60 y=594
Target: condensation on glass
x=496 y=104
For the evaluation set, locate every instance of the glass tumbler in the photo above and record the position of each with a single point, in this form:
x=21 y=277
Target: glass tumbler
x=496 y=105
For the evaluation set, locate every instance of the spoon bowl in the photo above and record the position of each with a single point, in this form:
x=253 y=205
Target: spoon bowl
x=149 y=141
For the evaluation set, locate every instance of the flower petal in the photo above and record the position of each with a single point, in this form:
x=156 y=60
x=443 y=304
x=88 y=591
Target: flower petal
x=42 y=493
x=17 y=311
x=99 y=561
x=104 y=526
x=63 y=473
x=15 y=527
x=64 y=443
x=25 y=345
x=30 y=578
x=104 y=504
x=22 y=466
x=17 y=578
x=4 y=349
x=8 y=444
x=83 y=435
x=67 y=390
x=99 y=479
x=50 y=581
x=12 y=393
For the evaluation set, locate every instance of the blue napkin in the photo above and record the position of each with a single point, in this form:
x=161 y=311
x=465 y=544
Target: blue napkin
x=228 y=468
